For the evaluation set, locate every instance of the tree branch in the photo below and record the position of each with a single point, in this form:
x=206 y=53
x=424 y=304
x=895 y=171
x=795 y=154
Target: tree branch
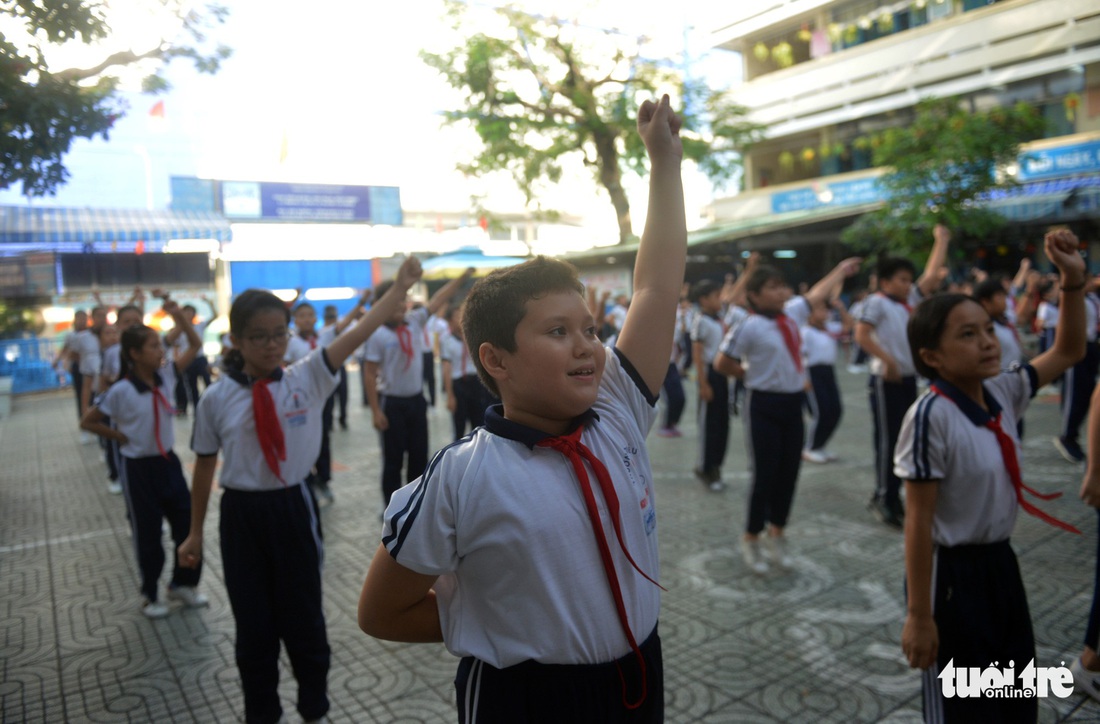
x=125 y=57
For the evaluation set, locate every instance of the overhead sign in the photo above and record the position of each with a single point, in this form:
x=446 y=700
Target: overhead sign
x=310 y=202
x=819 y=194
x=1077 y=158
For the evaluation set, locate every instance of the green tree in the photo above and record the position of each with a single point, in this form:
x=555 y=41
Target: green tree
x=43 y=109
x=939 y=167
x=540 y=90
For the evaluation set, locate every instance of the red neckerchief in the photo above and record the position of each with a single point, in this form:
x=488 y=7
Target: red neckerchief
x=404 y=338
x=268 y=428
x=571 y=447
x=158 y=400
x=792 y=339
x=895 y=300
x=1012 y=465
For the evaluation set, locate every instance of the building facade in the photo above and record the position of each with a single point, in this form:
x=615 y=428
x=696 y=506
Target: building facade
x=824 y=76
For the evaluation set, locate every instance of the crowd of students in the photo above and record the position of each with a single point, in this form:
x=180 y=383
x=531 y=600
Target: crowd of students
x=528 y=544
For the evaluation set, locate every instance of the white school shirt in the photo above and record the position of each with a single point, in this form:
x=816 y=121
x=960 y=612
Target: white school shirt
x=1092 y=316
x=1047 y=315
x=399 y=375
x=734 y=316
x=890 y=319
x=708 y=331
x=759 y=345
x=454 y=350
x=297 y=347
x=86 y=344
x=224 y=421
x=1011 y=352
x=504 y=525
x=129 y=403
x=818 y=346
x=943 y=439
x=112 y=362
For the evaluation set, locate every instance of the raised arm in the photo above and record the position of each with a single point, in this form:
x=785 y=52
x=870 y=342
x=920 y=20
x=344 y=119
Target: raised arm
x=1069 y=336
x=735 y=294
x=447 y=291
x=646 y=336
x=830 y=283
x=183 y=324
x=353 y=313
x=394 y=298
x=929 y=281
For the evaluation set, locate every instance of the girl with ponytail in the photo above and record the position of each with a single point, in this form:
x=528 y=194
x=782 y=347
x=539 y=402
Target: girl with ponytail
x=267 y=420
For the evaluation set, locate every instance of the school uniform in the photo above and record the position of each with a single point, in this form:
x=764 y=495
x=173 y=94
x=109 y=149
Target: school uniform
x=1046 y=321
x=297 y=348
x=1080 y=379
x=187 y=387
x=152 y=477
x=890 y=399
x=714 y=416
x=396 y=350
x=85 y=344
x=979 y=603
x=270 y=531
x=768 y=349
x=819 y=350
x=522 y=593
x=1011 y=350
x=111 y=369
x=327 y=335
x=471 y=397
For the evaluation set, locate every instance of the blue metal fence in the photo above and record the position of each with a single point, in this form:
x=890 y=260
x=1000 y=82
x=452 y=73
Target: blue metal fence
x=28 y=363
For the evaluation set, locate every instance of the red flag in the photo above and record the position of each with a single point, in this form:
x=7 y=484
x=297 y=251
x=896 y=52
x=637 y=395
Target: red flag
x=157 y=111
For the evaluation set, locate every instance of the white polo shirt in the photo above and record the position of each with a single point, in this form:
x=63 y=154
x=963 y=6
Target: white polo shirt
x=818 y=346
x=454 y=350
x=943 y=439
x=129 y=403
x=1011 y=352
x=399 y=375
x=297 y=347
x=224 y=421
x=86 y=344
x=759 y=344
x=1046 y=315
x=112 y=362
x=707 y=330
x=503 y=524
x=890 y=318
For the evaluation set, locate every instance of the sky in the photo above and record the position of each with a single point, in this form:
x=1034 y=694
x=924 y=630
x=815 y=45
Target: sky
x=339 y=84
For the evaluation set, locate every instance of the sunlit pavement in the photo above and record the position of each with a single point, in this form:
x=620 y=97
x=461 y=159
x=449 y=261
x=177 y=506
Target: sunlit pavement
x=816 y=644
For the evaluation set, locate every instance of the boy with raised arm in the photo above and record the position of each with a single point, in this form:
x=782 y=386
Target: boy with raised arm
x=530 y=547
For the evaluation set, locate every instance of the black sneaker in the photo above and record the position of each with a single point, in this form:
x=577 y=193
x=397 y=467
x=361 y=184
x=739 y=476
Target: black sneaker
x=884 y=513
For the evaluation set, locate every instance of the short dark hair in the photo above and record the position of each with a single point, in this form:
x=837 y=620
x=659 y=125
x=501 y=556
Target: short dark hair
x=702 y=289
x=498 y=303
x=129 y=308
x=247 y=305
x=989 y=288
x=761 y=275
x=926 y=326
x=888 y=266
x=304 y=305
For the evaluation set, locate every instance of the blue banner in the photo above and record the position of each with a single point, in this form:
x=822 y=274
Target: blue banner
x=842 y=193
x=1078 y=158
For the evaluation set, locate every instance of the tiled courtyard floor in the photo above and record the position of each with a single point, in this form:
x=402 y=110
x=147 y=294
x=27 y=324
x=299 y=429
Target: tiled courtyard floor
x=818 y=644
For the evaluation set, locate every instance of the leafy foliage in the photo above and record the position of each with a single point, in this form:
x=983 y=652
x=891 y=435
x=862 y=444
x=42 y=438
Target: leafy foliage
x=43 y=110
x=540 y=90
x=940 y=165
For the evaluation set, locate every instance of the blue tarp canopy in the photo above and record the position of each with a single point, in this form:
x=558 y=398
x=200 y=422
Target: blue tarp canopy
x=1039 y=200
x=81 y=229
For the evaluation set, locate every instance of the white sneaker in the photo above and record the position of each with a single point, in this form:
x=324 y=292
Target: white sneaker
x=1085 y=681
x=86 y=438
x=831 y=456
x=777 y=550
x=114 y=487
x=188 y=596
x=750 y=552
x=154 y=609
x=815 y=456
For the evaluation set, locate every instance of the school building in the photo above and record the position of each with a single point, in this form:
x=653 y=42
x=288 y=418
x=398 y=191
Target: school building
x=824 y=76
